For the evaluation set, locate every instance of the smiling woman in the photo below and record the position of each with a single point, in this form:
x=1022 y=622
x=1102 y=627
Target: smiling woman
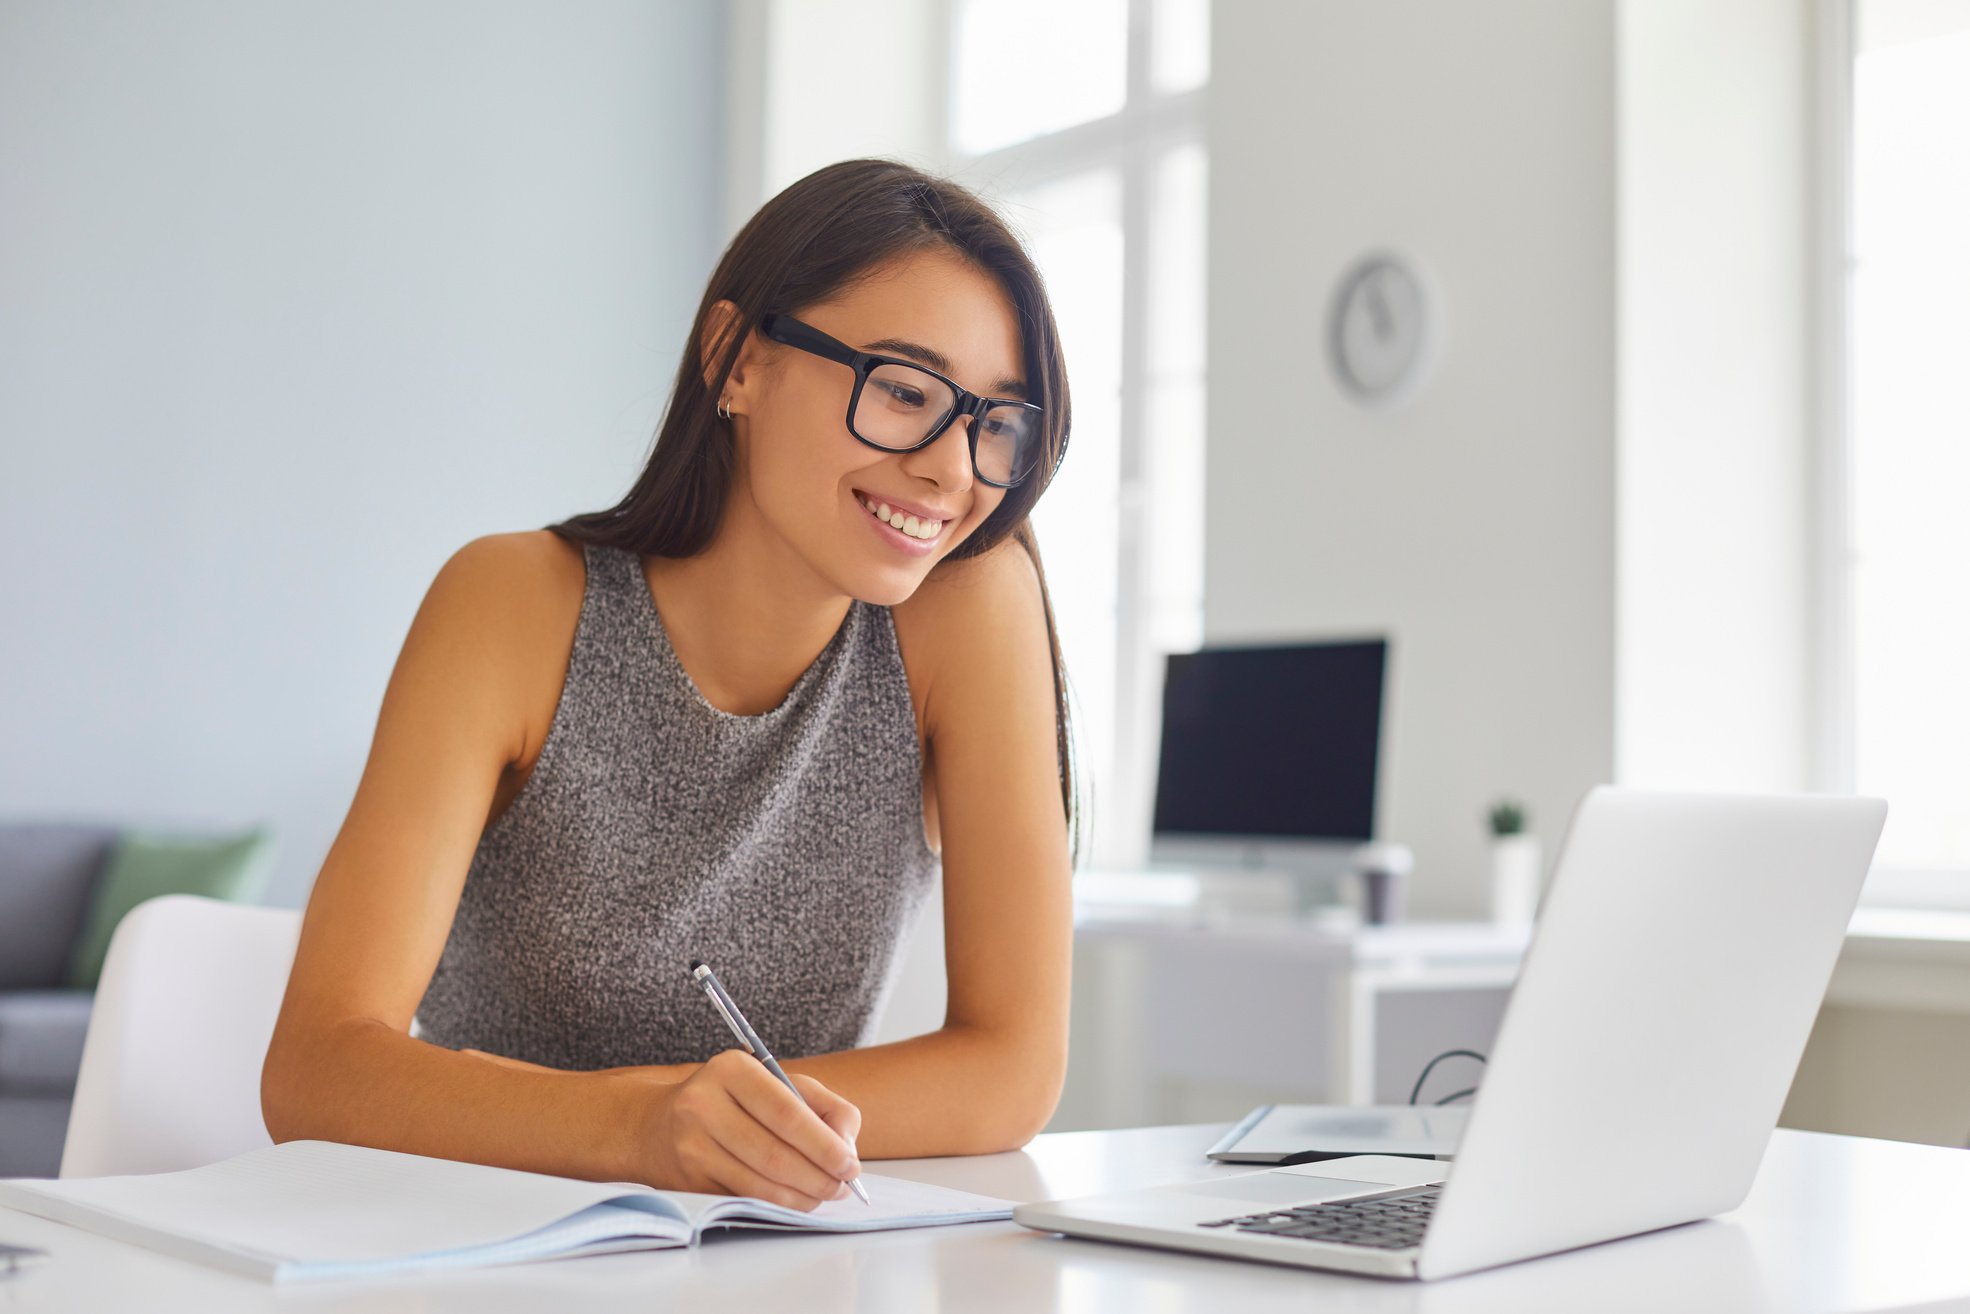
x=739 y=716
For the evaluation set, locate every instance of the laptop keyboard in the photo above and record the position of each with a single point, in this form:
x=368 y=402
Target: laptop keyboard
x=1384 y=1222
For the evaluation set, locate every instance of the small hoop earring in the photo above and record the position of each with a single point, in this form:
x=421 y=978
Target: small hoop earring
x=724 y=410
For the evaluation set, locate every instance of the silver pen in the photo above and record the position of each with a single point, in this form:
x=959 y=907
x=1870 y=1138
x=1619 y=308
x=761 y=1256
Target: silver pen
x=727 y=1009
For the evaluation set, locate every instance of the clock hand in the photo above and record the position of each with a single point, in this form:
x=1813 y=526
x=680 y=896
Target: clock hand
x=1378 y=306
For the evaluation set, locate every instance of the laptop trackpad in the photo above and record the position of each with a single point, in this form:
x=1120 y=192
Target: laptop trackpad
x=1283 y=1188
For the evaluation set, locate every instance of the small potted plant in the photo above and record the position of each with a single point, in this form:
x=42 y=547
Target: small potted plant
x=1514 y=865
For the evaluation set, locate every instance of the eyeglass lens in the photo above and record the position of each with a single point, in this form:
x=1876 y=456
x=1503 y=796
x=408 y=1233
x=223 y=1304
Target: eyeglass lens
x=900 y=405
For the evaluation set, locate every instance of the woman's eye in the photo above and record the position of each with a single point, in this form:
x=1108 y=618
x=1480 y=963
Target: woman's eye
x=906 y=396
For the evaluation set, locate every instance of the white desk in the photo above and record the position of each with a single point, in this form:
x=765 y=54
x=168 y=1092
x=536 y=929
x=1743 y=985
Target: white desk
x=1158 y=953
x=1833 y=1224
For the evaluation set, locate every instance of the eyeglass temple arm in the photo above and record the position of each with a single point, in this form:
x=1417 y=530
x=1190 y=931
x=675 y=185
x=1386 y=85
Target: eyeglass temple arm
x=787 y=329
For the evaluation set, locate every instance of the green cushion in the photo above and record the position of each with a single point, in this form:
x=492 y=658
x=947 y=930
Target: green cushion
x=144 y=866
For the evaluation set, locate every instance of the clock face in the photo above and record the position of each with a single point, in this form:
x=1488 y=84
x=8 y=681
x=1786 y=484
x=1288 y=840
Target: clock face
x=1378 y=328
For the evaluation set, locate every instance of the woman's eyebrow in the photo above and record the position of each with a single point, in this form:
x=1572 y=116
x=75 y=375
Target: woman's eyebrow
x=938 y=361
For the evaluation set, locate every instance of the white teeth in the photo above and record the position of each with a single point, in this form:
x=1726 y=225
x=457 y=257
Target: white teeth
x=915 y=528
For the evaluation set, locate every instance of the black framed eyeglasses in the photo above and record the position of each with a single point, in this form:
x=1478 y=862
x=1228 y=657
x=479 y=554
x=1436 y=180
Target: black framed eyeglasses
x=898 y=405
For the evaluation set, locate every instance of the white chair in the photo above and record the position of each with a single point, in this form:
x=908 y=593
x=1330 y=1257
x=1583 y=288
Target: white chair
x=171 y=1064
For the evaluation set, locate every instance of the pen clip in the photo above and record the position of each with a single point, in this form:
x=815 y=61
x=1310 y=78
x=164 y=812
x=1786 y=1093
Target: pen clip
x=731 y=1022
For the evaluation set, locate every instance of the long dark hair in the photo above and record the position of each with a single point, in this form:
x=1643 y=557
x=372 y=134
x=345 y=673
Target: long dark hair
x=811 y=241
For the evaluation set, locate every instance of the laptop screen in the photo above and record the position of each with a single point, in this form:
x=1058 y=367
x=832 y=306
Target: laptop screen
x=1278 y=741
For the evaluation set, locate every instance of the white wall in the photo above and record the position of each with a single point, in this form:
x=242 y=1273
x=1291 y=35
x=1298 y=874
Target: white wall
x=1474 y=525
x=816 y=81
x=294 y=300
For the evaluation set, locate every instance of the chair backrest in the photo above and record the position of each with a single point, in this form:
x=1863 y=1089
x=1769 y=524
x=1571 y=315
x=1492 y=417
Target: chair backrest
x=171 y=1067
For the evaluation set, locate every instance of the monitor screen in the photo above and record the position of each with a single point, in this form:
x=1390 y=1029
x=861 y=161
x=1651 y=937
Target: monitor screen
x=1278 y=741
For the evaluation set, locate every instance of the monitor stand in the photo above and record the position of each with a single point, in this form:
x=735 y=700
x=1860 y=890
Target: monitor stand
x=1302 y=878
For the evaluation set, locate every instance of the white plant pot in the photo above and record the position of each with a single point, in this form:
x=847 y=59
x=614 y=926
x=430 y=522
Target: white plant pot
x=1514 y=879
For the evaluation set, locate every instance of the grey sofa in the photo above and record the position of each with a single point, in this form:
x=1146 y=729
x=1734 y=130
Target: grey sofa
x=47 y=874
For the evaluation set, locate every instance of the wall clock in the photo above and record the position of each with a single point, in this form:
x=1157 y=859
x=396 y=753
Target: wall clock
x=1380 y=329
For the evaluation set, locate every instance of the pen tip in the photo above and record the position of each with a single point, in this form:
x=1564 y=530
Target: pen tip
x=861 y=1192
x=697 y=963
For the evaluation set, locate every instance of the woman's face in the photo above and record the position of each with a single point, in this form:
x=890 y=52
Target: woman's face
x=819 y=489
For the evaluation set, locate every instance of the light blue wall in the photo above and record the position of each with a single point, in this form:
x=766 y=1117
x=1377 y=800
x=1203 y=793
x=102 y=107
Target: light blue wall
x=295 y=300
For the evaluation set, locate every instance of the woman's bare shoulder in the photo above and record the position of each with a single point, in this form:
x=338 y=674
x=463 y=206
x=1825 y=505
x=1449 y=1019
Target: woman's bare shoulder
x=533 y=567
x=512 y=601
x=962 y=587
x=971 y=614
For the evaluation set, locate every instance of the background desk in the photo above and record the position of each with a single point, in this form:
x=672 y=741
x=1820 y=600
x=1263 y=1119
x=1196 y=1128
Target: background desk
x=1170 y=972
x=1833 y=1224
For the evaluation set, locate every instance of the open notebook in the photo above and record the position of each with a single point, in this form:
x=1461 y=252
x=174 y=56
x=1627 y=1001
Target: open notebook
x=316 y=1209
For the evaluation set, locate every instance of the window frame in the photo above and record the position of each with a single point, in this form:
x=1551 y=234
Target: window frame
x=1833 y=667
x=1131 y=141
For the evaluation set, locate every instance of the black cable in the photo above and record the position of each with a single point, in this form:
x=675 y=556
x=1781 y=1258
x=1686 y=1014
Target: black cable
x=1458 y=1095
x=1430 y=1067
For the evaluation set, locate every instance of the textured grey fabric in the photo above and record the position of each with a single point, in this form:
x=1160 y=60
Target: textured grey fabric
x=47 y=873
x=41 y=1034
x=784 y=849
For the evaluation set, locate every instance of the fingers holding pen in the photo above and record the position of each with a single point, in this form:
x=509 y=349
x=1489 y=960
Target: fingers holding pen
x=712 y=1145
x=842 y=1117
x=724 y=1130
x=740 y=1178
x=794 y=1120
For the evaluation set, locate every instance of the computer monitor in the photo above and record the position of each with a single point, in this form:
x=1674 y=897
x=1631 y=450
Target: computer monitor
x=1269 y=756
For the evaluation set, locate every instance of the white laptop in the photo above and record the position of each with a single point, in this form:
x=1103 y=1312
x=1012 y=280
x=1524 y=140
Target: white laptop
x=1678 y=964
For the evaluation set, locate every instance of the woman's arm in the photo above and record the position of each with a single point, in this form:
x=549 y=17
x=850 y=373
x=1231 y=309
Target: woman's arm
x=989 y=1078
x=496 y=625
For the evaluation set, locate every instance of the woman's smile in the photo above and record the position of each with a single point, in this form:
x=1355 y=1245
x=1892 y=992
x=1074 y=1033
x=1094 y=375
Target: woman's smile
x=900 y=529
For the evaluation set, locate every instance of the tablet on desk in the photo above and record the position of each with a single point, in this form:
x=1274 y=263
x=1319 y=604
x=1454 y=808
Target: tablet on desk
x=1303 y=1133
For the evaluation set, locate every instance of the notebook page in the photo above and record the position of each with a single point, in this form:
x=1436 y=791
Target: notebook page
x=894 y=1202
x=320 y=1201
x=597 y=1230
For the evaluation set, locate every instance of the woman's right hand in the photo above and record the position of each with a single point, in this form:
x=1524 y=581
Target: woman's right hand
x=731 y=1128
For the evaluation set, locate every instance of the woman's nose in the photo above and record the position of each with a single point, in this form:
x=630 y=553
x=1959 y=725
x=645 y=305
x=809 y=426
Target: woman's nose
x=947 y=460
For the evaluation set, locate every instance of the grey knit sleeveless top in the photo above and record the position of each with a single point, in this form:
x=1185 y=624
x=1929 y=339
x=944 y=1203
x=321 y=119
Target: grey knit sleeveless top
x=785 y=849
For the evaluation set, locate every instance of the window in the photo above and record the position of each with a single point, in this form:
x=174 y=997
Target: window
x=1902 y=711
x=1092 y=143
